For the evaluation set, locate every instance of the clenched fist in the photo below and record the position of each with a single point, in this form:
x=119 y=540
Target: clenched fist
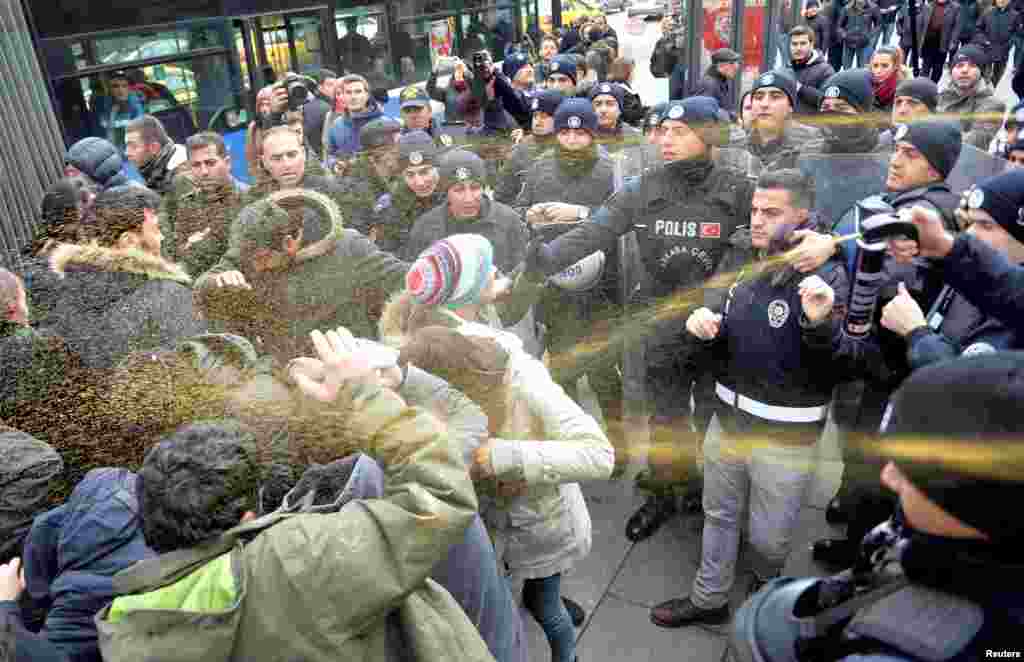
x=704 y=324
x=817 y=298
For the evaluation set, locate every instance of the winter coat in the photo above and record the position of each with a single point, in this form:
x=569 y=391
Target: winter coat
x=633 y=111
x=987 y=279
x=469 y=571
x=981 y=112
x=393 y=221
x=342 y=283
x=797 y=139
x=343 y=141
x=890 y=9
x=999 y=26
x=967 y=19
x=73 y=552
x=714 y=85
x=314 y=116
x=859 y=25
x=518 y=162
x=965 y=331
x=447 y=95
x=497 y=222
x=811 y=75
x=822 y=26
x=27 y=465
x=188 y=209
x=550 y=179
x=26 y=646
x=30 y=364
x=950 y=20
x=160 y=170
x=348 y=585
x=112 y=302
x=99 y=160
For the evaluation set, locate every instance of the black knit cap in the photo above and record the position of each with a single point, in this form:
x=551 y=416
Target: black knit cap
x=778 y=79
x=724 y=55
x=379 y=132
x=852 y=86
x=971 y=53
x=975 y=400
x=920 y=89
x=547 y=101
x=1002 y=197
x=940 y=141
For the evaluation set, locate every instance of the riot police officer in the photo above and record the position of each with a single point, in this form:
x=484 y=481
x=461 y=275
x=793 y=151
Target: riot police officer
x=684 y=214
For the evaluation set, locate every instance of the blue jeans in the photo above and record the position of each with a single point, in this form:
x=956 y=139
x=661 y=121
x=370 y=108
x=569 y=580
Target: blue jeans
x=887 y=30
x=543 y=598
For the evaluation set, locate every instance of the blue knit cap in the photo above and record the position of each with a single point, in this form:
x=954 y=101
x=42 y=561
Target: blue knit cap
x=609 y=89
x=692 y=110
x=576 y=113
x=563 y=64
x=1002 y=197
x=513 y=63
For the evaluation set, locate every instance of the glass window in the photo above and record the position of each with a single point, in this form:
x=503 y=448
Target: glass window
x=363 y=42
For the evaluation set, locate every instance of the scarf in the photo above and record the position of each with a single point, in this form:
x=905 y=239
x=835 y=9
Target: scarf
x=885 y=91
x=578 y=163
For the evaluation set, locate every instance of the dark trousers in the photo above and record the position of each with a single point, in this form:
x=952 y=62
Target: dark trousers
x=932 y=62
x=998 y=68
x=835 y=56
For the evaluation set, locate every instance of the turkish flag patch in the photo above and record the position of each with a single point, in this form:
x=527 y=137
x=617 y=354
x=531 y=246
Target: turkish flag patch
x=710 y=230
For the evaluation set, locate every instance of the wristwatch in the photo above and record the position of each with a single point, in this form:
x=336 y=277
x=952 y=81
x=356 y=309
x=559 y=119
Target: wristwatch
x=583 y=213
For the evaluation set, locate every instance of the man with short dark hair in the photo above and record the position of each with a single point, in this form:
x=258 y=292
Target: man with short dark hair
x=809 y=67
x=197 y=490
x=116 y=109
x=411 y=197
x=148 y=146
x=614 y=134
x=914 y=99
x=776 y=138
x=972 y=97
x=773 y=336
x=315 y=111
x=562 y=75
x=196 y=214
x=360 y=108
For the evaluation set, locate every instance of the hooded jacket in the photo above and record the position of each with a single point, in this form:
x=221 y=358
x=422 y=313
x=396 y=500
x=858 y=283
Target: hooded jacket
x=99 y=160
x=980 y=111
x=343 y=141
x=111 y=302
x=73 y=552
x=811 y=75
x=548 y=443
x=318 y=587
x=499 y=223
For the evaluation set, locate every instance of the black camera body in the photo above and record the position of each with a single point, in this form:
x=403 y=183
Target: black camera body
x=301 y=90
x=483 y=65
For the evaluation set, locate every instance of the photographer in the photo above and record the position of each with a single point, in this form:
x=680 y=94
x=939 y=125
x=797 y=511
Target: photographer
x=943 y=579
x=458 y=82
x=497 y=95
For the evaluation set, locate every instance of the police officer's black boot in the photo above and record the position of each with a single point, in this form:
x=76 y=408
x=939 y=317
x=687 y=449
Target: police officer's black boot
x=657 y=510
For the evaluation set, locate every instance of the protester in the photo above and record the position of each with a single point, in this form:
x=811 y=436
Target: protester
x=914 y=99
x=19 y=643
x=972 y=98
x=719 y=79
x=857 y=29
x=809 y=67
x=886 y=75
x=152 y=151
x=937 y=30
x=360 y=108
x=999 y=26
x=775 y=137
x=96 y=159
x=29 y=465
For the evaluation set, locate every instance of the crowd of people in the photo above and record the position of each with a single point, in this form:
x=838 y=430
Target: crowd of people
x=337 y=413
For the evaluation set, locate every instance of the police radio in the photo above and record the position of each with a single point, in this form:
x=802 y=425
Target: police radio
x=877 y=222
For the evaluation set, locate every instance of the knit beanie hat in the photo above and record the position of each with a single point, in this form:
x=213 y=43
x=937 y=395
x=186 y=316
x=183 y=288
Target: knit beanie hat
x=513 y=63
x=724 y=55
x=778 y=79
x=380 y=132
x=416 y=148
x=971 y=53
x=701 y=115
x=852 y=86
x=921 y=89
x=608 y=89
x=576 y=113
x=1002 y=197
x=451 y=272
x=1015 y=146
x=973 y=400
x=547 y=101
x=939 y=140
x=562 y=64
x=460 y=165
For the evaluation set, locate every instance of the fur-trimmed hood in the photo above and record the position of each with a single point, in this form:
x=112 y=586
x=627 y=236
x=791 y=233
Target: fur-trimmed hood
x=93 y=257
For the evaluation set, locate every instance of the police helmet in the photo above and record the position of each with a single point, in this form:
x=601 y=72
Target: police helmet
x=582 y=276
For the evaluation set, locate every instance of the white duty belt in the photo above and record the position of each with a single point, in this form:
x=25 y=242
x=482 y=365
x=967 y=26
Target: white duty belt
x=771 y=412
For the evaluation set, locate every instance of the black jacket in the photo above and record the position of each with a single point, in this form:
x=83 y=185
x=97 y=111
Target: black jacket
x=950 y=23
x=986 y=279
x=714 y=85
x=999 y=26
x=823 y=28
x=811 y=75
x=497 y=222
x=967 y=19
x=858 y=26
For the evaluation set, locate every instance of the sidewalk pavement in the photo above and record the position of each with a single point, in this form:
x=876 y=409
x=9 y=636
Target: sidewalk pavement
x=619 y=582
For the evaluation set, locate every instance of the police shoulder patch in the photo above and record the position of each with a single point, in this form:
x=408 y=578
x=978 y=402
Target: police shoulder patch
x=462 y=174
x=767 y=79
x=606 y=88
x=778 y=313
x=676 y=112
x=415 y=158
x=575 y=122
x=978 y=348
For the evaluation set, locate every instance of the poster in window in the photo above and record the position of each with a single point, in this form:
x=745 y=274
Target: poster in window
x=441 y=39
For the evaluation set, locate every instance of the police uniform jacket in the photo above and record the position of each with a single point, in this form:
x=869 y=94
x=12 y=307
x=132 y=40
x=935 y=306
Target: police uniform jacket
x=768 y=351
x=986 y=279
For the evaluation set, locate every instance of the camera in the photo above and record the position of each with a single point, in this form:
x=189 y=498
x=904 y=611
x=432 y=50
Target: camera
x=301 y=90
x=483 y=65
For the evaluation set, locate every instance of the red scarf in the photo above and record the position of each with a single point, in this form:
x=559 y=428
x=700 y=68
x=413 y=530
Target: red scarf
x=886 y=90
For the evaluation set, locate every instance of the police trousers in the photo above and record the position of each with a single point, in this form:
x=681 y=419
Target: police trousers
x=748 y=474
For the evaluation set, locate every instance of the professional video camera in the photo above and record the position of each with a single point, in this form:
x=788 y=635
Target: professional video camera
x=301 y=90
x=483 y=65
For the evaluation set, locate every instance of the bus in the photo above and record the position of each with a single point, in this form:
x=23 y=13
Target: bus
x=198 y=65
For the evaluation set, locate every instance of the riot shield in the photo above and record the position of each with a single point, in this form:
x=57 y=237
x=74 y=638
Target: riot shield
x=840 y=180
x=972 y=167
